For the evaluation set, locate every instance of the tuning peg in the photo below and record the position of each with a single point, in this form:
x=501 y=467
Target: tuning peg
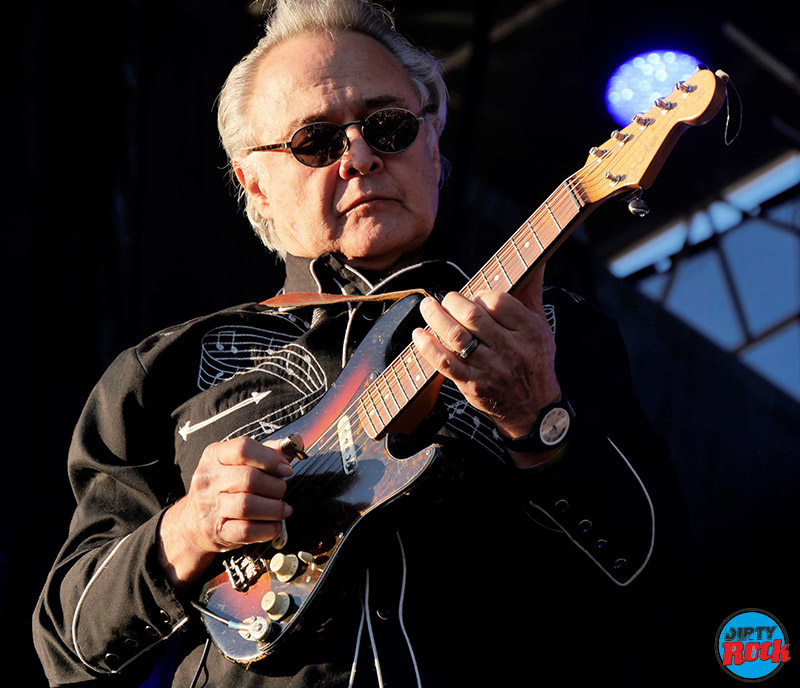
x=638 y=206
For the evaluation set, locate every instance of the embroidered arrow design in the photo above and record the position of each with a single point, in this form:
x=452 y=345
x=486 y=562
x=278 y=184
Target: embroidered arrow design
x=189 y=427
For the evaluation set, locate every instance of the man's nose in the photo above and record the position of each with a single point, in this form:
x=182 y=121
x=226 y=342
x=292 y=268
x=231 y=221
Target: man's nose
x=360 y=158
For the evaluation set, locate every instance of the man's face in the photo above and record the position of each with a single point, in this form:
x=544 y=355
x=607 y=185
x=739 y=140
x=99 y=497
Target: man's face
x=373 y=210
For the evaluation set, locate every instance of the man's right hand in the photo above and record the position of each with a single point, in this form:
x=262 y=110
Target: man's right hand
x=235 y=498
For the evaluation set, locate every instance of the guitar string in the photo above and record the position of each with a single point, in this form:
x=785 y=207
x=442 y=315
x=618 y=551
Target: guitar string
x=562 y=198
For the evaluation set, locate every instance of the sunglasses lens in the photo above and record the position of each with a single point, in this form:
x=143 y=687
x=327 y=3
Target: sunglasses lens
x=319 y=145
x=388 y=131
x=391 y=130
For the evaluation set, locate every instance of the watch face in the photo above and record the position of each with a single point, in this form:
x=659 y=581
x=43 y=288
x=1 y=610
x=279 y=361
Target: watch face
x=554 y=426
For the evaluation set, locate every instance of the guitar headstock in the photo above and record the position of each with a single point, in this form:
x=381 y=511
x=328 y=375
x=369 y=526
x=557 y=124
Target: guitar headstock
x=632 y=158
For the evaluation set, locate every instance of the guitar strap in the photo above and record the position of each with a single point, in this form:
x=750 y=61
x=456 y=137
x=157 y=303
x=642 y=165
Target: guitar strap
x=298 y=299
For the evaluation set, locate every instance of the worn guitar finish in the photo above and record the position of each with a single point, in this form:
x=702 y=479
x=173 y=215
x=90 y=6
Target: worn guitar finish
x=265 y=593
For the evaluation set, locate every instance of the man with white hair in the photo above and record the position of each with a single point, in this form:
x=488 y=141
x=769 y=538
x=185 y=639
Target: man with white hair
x=332 y=126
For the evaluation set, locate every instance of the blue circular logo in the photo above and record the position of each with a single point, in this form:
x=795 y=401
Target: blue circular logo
x=752 y=645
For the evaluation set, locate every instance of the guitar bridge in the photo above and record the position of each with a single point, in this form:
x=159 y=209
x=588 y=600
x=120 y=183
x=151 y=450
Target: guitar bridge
x=243 y=570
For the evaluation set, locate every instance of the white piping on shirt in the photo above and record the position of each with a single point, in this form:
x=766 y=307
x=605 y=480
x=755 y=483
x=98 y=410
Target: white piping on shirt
x=365 y=615
x=314 y=276
x=635 y=574
x=74 y=626
x=372 y=290
x=400 y=606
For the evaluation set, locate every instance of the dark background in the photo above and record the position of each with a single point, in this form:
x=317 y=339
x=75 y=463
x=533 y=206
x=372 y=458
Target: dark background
x=119 y=220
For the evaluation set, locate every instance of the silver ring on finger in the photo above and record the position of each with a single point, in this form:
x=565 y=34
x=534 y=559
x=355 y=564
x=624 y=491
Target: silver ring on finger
x=469 y=349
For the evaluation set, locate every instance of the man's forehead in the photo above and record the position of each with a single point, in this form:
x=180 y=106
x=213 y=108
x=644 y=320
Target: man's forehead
x=358 y=105
x=315 y=77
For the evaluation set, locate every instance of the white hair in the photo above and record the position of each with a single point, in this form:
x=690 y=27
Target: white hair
x=289 y=18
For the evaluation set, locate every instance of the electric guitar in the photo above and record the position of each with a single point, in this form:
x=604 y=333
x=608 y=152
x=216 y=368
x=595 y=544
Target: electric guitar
x=264 y=593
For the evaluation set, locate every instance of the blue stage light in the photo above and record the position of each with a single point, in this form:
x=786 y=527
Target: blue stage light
x=638 y=82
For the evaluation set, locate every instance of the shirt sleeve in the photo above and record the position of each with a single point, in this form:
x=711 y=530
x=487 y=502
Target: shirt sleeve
x=614 y=494
x=106 y=604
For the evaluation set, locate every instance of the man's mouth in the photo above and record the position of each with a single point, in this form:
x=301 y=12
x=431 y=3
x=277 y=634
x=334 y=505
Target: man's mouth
x=367 y=201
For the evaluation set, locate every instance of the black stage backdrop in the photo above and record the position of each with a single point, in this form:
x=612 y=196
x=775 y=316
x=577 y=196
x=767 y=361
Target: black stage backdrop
x=119 y=220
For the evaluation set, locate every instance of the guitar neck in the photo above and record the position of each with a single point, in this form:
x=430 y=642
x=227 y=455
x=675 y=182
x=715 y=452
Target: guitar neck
x=628 y=161
x=404 y=379
x=533 y=242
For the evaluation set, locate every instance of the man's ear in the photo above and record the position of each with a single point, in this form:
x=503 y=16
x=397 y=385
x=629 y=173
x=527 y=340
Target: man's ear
x=252 y=187
x=437 y=160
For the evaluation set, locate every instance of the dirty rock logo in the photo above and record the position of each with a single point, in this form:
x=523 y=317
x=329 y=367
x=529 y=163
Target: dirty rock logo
x=752 y=645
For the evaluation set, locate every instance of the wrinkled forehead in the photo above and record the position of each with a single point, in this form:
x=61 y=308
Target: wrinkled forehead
x=327 y=77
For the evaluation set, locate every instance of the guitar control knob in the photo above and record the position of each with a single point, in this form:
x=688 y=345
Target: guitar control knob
x=276 y=604
x=284 y=566
x=306 y=557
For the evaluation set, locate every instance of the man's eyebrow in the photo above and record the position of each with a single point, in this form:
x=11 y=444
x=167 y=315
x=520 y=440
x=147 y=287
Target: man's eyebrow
x=382 y=101
x=373 y=103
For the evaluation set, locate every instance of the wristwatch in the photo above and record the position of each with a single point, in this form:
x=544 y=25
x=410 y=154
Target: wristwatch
x=551 y=431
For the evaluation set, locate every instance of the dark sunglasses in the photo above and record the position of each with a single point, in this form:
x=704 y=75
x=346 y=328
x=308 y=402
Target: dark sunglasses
x=320 y=144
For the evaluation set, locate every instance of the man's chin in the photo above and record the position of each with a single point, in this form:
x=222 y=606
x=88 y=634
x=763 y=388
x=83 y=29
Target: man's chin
x=382 y=263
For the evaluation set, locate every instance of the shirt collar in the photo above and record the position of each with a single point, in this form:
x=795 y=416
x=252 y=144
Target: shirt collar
x=326 y=274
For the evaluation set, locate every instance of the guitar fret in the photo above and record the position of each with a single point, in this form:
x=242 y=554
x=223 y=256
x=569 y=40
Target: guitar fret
x=382 y=397
x=535 y=235
x=419 y=365
x=391 y=393
x=373 y=413
x=568 y=185
x=519 y=255
x=485 y=279
x=552 y=215
x=399 y=381
x=372 y=390
x=408 y=372
x=366 y=416
x=502 y=267
x=495 y=267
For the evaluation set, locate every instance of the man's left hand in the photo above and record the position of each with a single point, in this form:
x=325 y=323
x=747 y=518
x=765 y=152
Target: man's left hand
x=510 y=376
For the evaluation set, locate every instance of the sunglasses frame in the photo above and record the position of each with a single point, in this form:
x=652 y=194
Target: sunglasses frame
x=341 y=130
